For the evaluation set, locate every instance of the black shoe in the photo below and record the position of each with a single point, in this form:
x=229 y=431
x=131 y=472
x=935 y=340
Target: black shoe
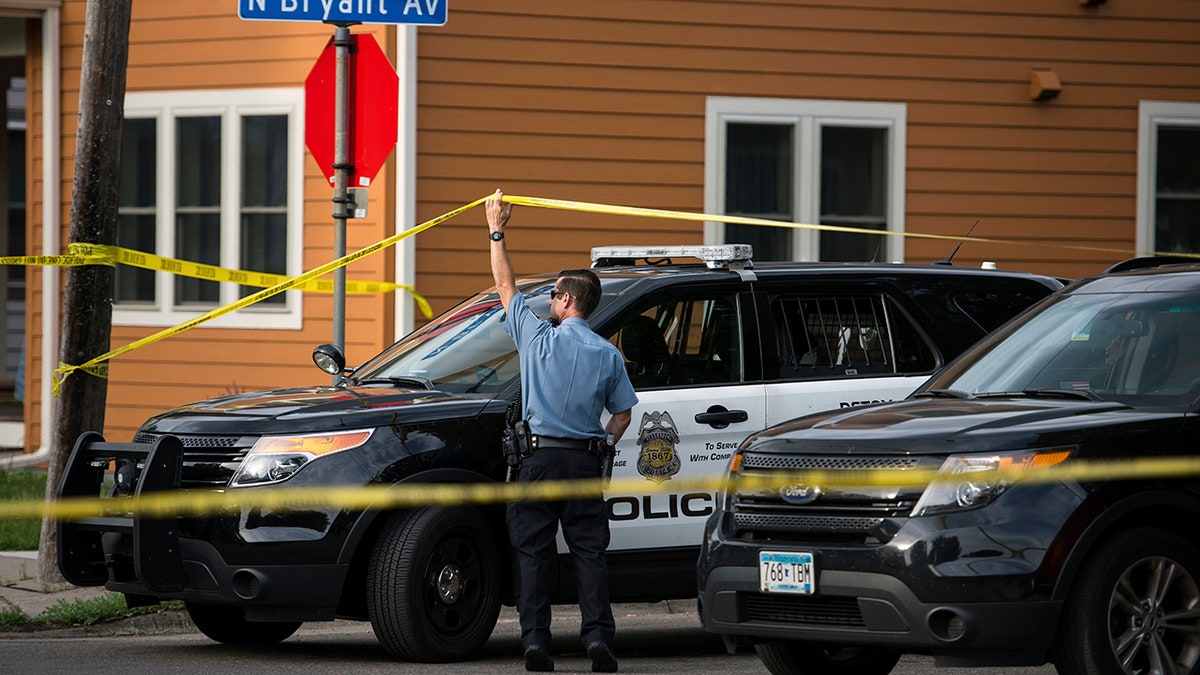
x=602 y=658
x=537 y=659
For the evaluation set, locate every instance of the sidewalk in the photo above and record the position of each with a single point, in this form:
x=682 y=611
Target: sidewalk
x=19 y=589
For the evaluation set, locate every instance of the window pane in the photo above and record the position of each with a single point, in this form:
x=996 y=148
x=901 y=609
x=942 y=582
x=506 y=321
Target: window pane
x=198 y=238
x=682 y=342
x=139 y=163
x=135 y=231
x=264 y=198
x=831 y=336
x=264 y=249
x=853 y=191
x=264 y=160
x=16 y=205
x=198 y=204
x=137 y=190
x=199 y=161
x=1177 y=190
x=758 y=184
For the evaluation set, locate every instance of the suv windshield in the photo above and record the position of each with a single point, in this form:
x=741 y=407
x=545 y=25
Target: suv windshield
x=464 y=351
x=1141 y=349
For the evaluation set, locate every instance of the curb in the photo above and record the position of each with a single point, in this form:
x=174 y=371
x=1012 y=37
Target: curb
x=170 y=622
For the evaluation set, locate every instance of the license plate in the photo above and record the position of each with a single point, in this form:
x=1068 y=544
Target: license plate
x=786 y=572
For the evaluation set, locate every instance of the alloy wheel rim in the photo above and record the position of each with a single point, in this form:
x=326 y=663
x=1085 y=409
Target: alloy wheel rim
x=1154 y=618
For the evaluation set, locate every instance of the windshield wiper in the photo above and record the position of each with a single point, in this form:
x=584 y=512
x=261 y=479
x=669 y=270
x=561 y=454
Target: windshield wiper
x=942 y=393
x=1085 y=394
x=400 y=381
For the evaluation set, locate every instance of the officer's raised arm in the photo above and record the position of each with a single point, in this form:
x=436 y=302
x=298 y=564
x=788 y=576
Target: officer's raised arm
x=498 y=212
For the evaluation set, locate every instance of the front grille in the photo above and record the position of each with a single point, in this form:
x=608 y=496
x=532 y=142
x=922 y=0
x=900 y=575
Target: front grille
x=801 y=523
x=811 y=611
x=834 y=513
x=208 y=461
x=752 y=460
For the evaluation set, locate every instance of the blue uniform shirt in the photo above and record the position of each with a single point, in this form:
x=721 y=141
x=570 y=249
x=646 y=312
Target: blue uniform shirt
x=569 y=374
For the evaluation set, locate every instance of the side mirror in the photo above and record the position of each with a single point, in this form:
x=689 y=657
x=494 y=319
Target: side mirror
x=330 y=359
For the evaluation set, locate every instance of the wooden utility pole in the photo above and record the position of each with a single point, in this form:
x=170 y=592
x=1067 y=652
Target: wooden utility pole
x=87 y=306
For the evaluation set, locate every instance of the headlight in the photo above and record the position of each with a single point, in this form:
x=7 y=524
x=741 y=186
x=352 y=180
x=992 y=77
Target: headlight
x=970 y=481
x=278 y=458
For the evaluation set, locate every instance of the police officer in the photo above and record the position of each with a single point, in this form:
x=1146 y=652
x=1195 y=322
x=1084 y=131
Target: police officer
x=569 y=374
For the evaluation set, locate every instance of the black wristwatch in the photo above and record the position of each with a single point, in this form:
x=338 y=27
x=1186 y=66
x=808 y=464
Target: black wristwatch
x=496 y=236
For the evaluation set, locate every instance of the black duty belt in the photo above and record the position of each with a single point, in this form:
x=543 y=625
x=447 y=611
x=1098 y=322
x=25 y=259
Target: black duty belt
x=546 y=442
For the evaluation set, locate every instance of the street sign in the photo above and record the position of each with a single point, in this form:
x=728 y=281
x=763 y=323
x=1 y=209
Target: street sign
x=419 y=12
x=373 y=95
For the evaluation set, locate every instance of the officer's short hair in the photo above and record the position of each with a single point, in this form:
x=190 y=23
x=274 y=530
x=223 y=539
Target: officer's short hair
x=584 y=287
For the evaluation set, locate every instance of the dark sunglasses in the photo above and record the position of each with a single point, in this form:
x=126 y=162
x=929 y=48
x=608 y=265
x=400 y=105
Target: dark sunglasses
x=554 y=293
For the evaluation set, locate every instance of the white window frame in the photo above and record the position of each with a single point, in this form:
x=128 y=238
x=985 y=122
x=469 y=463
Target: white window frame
x=231 y=106
x=1152 y=115
x=807 y=117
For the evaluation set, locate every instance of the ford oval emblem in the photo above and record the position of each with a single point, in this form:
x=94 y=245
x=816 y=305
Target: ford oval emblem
x=800 y=493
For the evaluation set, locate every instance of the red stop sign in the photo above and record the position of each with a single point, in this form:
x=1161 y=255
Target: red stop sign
x=373 y=92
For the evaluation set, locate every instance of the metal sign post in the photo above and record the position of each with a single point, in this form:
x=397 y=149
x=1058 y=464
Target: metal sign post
x=364 y=134
x=341 y=179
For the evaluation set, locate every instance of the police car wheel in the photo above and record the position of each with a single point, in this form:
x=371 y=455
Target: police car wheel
x=433 y=584
x=784 y=657
x=228 y=625
x=1132 y=609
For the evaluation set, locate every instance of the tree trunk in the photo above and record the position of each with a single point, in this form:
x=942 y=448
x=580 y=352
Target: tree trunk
x=87 y=306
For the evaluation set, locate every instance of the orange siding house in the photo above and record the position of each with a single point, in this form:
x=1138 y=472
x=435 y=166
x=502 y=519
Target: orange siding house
x=1065 y=132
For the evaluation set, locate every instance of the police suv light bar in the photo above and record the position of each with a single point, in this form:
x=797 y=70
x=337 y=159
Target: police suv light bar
x=715 y=257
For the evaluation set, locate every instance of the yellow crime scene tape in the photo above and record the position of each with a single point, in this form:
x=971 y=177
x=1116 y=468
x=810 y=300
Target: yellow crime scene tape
x=589 y=207
x=91 y=254
x=65 y=370
x=100 y=254
x=407 y=495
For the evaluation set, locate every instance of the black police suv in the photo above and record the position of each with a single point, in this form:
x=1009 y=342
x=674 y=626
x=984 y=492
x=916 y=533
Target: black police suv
x=986 y=564
x=716 y=349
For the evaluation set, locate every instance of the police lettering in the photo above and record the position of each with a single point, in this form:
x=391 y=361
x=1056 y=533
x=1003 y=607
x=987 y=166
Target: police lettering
x=691 y=505
x=851 y=404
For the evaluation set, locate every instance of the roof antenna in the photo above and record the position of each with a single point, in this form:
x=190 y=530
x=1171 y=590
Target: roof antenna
x=950 y=260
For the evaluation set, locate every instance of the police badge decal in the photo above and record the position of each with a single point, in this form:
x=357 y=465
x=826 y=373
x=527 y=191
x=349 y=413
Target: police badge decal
x=657 y=435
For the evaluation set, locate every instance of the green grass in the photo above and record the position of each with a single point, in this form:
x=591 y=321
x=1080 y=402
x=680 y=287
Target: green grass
x=107 y=607
x=21 y=534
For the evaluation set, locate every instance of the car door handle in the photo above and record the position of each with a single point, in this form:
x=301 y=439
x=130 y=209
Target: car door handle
x=719 y=417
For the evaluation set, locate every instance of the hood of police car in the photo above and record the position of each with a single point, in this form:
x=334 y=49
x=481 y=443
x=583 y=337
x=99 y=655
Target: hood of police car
x=318 y=407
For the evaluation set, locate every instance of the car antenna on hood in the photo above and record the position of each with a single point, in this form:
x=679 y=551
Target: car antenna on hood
x=950 y=260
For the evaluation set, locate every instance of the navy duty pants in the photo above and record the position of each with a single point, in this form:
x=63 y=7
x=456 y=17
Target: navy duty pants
x=532 y=527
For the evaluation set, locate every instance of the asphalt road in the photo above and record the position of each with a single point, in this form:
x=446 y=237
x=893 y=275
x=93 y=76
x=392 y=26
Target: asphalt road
x=651 y=639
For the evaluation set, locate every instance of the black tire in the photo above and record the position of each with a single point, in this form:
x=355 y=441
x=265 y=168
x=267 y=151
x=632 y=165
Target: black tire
x=784 y=657
x=1134 y=602
x=433 y=585
x=228 y=625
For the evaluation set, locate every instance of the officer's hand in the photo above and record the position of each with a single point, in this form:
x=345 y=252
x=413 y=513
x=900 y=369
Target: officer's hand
x=497 y=211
